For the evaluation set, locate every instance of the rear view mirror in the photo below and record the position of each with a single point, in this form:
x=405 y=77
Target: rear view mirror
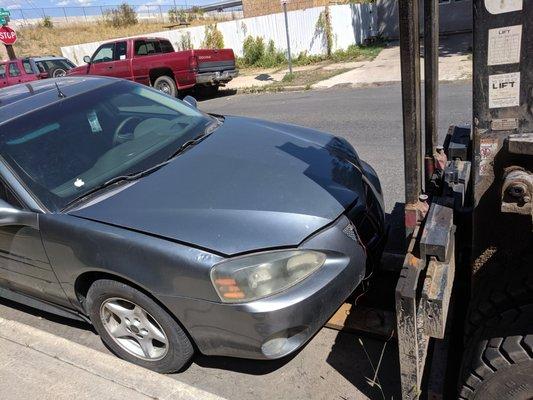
x=191 y=101
x=87 y=60
x=11 y=216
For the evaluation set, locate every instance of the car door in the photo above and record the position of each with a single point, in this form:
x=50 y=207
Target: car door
x=28 y=73
x=24 y=265
x=103 y=62
x=122 y=65
x=14 y=75
x=3 y=76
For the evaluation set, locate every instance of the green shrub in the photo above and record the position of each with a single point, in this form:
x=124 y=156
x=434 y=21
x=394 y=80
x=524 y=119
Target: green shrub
x=255 y=54
x=185 y=42
x=47 y=22
x=253 y=50
x=213 y=38
x=124 y=15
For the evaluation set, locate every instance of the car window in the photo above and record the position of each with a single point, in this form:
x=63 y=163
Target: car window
x=140 y=48
x=104 y=53
x=2 y=71
x=27 y=66
x=66 y=149
x=8 y=196
x=46 y=65
x=14 y=70
x=166 y=46
x=41 y=66
x=120 y=51
x=147 y=47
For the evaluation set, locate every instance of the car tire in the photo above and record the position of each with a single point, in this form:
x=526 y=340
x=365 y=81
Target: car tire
x=166 y=85
x=498 y=364
x=57 y=72
x=136 y=328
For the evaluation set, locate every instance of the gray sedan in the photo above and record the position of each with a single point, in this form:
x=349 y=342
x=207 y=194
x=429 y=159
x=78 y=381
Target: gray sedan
x=173 y=231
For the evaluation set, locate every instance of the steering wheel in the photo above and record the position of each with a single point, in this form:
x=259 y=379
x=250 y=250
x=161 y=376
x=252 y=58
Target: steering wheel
x=121 y=137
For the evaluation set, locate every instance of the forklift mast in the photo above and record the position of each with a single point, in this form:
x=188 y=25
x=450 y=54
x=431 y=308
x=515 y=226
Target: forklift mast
x=468 y=212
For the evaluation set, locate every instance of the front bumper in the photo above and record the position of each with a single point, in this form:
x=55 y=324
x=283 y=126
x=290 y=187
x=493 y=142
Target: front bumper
x=276 y=326
x=216 y=77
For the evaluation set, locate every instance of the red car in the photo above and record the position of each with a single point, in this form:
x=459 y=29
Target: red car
x=153 y=62
x=32 y=68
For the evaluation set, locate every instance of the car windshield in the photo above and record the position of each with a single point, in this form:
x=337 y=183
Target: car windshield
x=77 y=144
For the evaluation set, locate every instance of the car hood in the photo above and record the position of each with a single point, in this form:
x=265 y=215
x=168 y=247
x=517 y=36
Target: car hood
x=250 y=185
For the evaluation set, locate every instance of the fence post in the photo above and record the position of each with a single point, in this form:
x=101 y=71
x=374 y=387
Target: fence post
x=288 y=36
x=84 y=13
x=161 y=13
x=65 y=13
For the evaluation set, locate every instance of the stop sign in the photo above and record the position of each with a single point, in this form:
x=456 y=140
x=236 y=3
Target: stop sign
x=7 y=35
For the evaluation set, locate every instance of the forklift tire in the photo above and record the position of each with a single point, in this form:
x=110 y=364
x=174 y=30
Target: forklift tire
x=498 y=293
x=499 y=364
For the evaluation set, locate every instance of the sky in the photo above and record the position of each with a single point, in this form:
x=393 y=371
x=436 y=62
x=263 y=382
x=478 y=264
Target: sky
x=33 y=4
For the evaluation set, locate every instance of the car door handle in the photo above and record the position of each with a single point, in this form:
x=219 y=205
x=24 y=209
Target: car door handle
x=110 y=67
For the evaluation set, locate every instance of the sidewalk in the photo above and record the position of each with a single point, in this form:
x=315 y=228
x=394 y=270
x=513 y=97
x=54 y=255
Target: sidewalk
x=386 y=68
x=38 y=365
x=455 y=63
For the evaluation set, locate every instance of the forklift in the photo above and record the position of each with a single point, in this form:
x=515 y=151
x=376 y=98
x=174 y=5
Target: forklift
x=467 y=277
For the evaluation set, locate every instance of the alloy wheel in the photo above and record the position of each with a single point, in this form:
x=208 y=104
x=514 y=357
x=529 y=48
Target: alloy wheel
x=134 y=329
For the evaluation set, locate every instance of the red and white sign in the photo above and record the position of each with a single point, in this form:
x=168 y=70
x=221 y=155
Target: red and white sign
x=7 y=35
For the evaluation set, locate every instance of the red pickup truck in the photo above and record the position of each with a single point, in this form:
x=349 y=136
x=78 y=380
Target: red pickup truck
x=153 y=62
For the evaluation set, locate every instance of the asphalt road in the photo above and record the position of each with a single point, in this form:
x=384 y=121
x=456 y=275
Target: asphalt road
x=333 y=365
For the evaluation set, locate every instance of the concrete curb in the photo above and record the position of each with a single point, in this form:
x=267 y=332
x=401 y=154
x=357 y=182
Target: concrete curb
x=104 y=366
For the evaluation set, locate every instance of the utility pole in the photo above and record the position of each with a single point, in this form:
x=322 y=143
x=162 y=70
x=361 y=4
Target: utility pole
x=284 y=3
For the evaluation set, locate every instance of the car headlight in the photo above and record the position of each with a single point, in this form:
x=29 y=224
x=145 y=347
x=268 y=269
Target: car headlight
x=252 y=277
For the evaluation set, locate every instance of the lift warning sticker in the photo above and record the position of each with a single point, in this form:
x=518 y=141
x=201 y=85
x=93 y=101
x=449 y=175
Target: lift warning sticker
x=504 y=90
x=503 y=6
x=504 y=45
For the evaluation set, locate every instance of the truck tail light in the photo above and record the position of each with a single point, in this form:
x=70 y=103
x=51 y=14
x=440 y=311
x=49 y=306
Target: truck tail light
x=193 y=63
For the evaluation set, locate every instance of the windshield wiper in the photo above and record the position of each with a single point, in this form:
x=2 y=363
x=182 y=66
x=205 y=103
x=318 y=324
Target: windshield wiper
x=121 y=178
x=208 y=130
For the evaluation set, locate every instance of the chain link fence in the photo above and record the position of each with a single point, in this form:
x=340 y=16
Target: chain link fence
x=162 y=13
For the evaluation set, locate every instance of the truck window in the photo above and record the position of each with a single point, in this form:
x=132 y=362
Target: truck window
x=14 y=69
x=2 y=70
x=166 y=46
x=104 y=53
x=120 y=51
x=147 y=47
x=27 y=66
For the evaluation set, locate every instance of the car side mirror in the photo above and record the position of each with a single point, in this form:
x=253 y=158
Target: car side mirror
x=87 y=60
x=11 y=216
x=191 y=101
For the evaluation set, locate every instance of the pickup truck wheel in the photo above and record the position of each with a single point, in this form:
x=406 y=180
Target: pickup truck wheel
x=167 y=85
x=498 y=364
x=136 y=328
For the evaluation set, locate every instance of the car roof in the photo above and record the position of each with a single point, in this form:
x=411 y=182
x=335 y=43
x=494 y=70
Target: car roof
x=48 y=58
x=43 y=58
x=20 y=99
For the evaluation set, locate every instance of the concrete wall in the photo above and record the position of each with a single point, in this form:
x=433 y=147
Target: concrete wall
x=455 y=16
x=351 y=24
